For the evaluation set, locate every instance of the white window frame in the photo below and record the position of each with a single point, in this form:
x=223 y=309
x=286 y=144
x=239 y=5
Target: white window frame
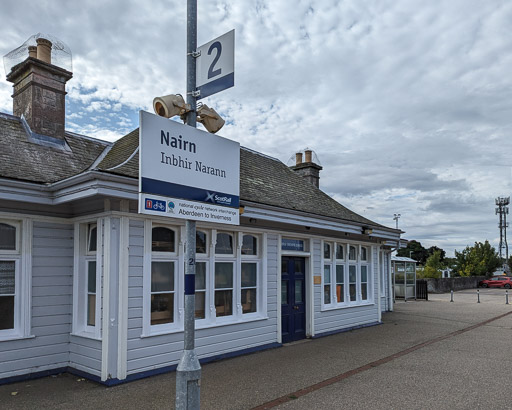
x=257 y=259
x=328 y=263
x=82 y=258
x=149 y=257
x=233 y=258
x=22 y=258
x=209 y=258
x=346 y=262
x=382 y=273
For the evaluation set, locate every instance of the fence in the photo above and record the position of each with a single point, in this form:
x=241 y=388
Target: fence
x=421 y=289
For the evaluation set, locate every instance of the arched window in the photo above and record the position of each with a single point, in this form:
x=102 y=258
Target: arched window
x=340 y=251
x=249 y=245
x=327 y=250
x=92 y=238
x=7 y=237
x=364 y=254
x=224 y=245
x=352 y=254
x=162 y=239
x=201 y=242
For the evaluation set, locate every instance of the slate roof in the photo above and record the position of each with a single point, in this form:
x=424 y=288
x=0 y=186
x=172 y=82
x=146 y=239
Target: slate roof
x=263 y=180
x=27 y=161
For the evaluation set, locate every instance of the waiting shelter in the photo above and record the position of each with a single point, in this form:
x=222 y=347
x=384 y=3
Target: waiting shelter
x=404 y=277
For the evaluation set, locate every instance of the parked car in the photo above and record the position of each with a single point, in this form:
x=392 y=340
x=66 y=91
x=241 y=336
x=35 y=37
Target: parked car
x=497 y=282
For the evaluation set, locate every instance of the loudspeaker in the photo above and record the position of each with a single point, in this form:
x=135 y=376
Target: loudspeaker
x=209 y=118
x=170 y=105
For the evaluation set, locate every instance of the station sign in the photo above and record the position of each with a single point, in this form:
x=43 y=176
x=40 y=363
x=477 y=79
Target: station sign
x=187 y=173
x=215 y=66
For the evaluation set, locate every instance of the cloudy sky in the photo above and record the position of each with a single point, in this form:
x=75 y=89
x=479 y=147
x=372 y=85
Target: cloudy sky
x=407 y=103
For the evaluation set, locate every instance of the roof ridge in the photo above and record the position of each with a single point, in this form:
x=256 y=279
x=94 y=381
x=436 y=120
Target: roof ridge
x=261 y=154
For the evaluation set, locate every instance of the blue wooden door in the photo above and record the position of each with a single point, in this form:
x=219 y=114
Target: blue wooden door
x=293 y=298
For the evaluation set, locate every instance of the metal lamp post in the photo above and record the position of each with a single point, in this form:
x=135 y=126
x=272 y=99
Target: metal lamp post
x=188 y=373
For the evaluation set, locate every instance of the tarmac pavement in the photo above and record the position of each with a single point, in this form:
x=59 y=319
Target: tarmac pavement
x=434 y=354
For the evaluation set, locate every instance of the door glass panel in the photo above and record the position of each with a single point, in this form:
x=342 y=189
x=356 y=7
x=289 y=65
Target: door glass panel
x=284 y=292
x=298 y=291
x=298 y=267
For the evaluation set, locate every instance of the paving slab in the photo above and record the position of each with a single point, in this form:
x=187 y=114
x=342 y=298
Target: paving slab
x=422 y=356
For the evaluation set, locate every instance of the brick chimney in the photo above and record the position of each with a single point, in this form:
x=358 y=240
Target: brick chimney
x=40 y=90
x=307 y=169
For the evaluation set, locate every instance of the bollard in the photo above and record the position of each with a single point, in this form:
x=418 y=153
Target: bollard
x=451 y=296
x=478 y=293
x=506 y=297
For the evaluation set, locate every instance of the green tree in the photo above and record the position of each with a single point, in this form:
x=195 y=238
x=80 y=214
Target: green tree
x=479 y=260
x=433 y=265
x=414 y=250
x=433 y=249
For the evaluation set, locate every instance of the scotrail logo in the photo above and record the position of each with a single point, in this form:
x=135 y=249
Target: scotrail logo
x=155 y=205
x=216 y=199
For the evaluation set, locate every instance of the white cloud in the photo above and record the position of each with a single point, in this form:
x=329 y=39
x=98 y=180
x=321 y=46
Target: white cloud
x=407 y=103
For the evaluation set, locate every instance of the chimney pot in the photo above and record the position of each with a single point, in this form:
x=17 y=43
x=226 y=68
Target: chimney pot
x=307 y=169
x=44 y=50
x=32 y=51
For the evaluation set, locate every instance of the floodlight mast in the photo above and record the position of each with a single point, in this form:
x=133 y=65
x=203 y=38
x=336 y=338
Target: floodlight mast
x=502 y=211
x=188 y=373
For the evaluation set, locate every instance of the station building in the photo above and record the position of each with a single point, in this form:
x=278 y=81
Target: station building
x=88 y=285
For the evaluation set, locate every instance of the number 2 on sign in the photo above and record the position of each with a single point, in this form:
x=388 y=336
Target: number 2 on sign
x=211 y=72
x=191 y=261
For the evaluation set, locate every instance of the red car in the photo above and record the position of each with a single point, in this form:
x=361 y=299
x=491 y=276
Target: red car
x=497 y=282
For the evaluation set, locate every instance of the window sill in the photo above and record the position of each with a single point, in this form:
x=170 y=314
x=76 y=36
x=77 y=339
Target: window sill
x=8 y=338
x=200 y=326
x=346 y=306
x=86 y=335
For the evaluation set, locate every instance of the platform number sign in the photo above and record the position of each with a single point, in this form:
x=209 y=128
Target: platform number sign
x=216 y=65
